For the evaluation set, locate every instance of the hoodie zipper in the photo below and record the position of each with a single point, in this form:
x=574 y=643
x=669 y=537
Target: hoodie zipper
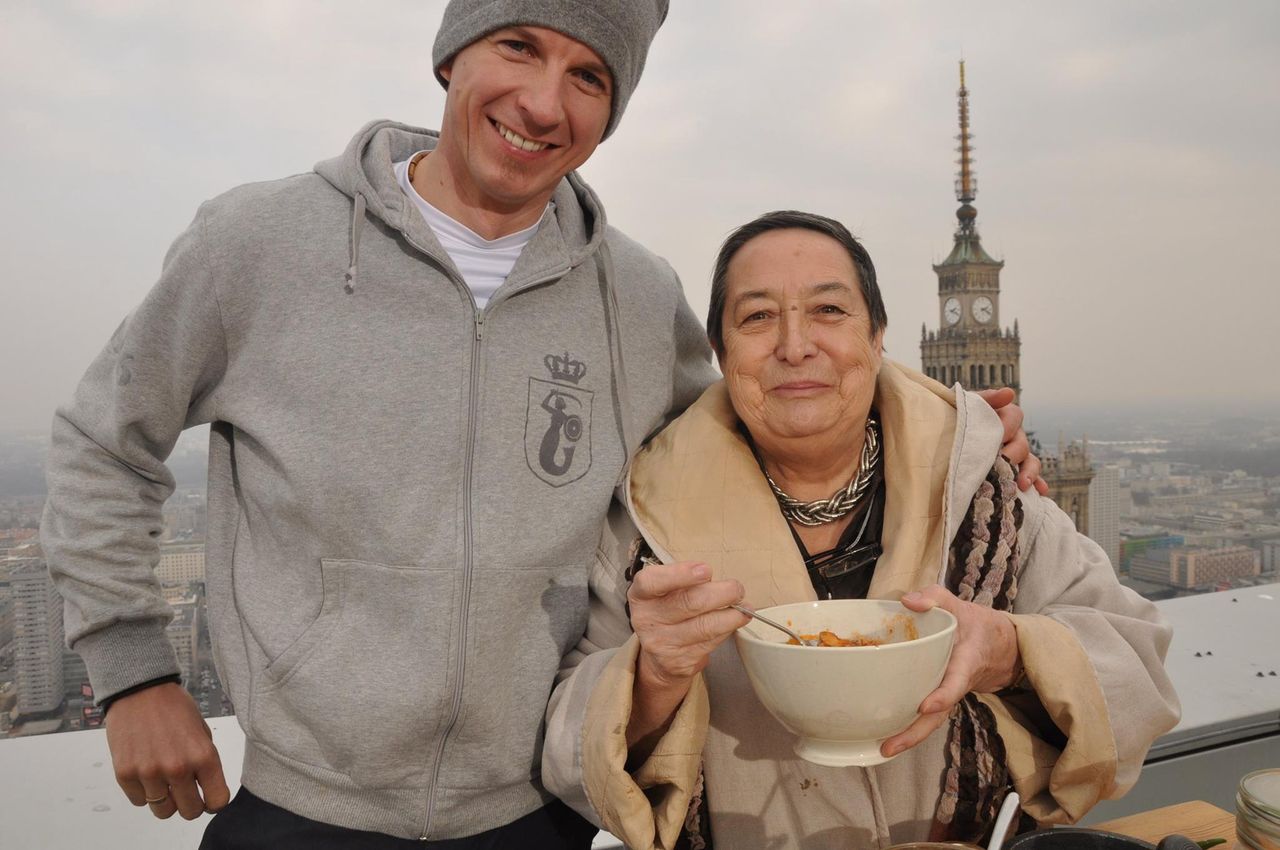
x=477 y=351
x=468 y=562
x=464 y=605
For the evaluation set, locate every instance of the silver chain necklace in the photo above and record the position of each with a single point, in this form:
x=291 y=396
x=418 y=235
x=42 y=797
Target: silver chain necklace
x=823 y=511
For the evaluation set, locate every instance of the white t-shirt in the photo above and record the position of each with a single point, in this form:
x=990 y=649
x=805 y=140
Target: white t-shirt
x=484 y=263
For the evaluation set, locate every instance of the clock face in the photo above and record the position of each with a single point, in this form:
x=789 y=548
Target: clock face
x=951 y=311
x=983 y=309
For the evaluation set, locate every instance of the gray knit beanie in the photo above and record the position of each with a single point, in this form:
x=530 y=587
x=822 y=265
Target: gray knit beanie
x=618 y=30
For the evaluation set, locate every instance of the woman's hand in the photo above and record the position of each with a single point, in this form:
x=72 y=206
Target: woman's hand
x=680 y=616
x=1016 y=446
x=984 y=660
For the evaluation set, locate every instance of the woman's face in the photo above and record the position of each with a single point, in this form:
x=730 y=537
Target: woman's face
x=799 y=357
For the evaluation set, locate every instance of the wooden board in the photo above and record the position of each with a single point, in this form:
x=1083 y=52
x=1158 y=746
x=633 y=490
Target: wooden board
x=1196 y=820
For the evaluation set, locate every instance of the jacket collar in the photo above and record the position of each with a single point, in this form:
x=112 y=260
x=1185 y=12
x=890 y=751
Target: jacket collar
x=696 y=492
x=568 y=236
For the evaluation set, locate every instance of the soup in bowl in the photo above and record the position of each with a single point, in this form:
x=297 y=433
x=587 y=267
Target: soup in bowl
x=840 y=701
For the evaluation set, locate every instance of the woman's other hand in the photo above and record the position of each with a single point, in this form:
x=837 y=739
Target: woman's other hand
x=1016 y=446
x=680 y=616
x=984 y=660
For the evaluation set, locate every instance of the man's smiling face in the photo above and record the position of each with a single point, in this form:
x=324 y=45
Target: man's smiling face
x=525 y=106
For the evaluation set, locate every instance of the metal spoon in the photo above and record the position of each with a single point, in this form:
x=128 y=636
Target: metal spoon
x=778 y=626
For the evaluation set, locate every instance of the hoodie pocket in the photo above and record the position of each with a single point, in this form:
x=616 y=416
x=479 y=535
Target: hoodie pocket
x=363 y=690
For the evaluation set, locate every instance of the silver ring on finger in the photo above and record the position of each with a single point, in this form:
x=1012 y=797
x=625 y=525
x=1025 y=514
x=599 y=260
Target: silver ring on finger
x=158 y=800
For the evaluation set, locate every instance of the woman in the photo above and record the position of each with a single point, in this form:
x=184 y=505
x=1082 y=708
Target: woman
x=818 y=469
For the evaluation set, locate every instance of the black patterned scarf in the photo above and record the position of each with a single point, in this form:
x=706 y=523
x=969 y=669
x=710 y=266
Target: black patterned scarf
x=983 y=568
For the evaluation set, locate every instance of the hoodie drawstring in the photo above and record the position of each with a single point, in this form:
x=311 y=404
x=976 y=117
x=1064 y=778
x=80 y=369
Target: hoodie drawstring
x=357 y=229
x=618 y=372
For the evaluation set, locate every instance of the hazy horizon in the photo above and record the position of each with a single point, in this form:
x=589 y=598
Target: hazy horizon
x=1125 y=157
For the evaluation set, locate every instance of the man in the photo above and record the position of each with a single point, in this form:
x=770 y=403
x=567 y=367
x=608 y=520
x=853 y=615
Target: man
x=425 y=365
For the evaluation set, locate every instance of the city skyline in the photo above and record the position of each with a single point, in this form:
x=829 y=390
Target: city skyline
x=1124 y=160
x=1172 y=521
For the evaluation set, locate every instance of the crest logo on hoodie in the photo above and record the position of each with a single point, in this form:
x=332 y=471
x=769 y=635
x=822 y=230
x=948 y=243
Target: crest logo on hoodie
x=557 y=429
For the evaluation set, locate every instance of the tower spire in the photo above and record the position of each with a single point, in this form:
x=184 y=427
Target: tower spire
x=966 y=182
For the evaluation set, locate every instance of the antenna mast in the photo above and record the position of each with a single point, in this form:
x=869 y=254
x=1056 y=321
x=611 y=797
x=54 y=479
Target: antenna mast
x=966 y=182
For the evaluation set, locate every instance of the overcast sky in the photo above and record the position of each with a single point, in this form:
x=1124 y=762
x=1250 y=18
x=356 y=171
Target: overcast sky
x=1127 y=157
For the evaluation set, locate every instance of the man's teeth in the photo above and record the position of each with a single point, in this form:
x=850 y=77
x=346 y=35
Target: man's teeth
x=518 y=140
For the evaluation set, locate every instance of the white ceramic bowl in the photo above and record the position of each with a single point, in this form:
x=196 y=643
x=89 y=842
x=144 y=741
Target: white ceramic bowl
x=843 y=702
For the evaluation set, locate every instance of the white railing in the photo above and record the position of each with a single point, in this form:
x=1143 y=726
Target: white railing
x=58 y=791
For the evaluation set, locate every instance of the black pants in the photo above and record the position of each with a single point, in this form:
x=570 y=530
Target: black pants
x=251 y=823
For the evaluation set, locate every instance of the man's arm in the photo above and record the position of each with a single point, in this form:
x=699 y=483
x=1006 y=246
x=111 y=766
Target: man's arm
x=1017 y=448
x=102 y=521
x=692 y=370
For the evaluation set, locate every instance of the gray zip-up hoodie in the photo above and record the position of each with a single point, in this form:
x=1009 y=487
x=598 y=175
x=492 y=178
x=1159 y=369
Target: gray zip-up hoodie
x=405 y=492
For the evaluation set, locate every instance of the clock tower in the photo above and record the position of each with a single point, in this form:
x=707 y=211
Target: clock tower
x=969 y=346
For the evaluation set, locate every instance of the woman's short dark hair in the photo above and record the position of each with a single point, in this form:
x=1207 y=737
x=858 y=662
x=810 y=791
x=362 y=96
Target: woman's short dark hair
x=785 y=220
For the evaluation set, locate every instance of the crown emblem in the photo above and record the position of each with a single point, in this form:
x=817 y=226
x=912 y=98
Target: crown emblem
x=564 y=367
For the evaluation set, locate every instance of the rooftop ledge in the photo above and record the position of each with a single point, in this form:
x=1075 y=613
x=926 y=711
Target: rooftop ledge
x=59 y=791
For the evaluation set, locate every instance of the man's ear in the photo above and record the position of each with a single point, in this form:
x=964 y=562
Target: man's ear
x=446 y=70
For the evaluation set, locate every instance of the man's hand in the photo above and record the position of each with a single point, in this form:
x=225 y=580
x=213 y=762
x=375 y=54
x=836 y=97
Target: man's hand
x=163 y=753
x=984 y=660
x=1016 y=447
x=680 y=616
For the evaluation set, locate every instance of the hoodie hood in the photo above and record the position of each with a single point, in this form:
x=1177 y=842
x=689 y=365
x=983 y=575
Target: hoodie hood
x=571 y=233
x=364 y=171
